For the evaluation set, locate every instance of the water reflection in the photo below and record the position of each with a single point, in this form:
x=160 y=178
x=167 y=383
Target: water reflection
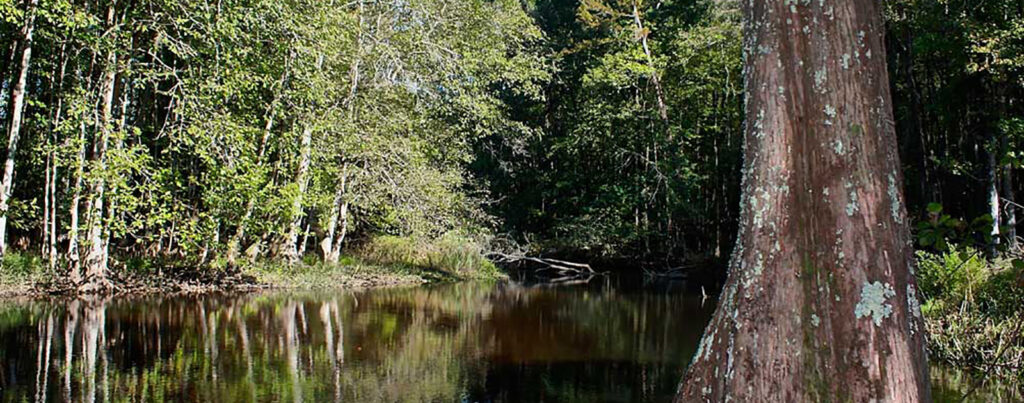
x=474 y=342
x=464 y=342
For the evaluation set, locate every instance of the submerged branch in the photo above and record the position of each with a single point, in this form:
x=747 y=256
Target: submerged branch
x=561 y=266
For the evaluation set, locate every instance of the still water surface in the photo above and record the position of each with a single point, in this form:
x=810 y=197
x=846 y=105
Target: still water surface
x=602 y=341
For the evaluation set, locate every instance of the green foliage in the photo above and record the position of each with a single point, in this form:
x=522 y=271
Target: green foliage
x=950 y=277
x=18 y=269
x=453 y=254
x=610 y=176
x=211 y=106
x=972 y=309
x=940 y=231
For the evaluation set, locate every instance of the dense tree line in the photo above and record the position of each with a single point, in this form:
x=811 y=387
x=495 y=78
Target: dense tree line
x=639 y=154
x=256 y=128
x=217 y=129
x=641 y=148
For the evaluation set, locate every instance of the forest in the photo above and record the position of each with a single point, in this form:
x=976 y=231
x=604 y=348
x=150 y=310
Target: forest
x=596 y=129
x=279 y=138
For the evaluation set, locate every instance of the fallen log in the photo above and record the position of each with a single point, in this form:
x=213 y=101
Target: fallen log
x=561 y=266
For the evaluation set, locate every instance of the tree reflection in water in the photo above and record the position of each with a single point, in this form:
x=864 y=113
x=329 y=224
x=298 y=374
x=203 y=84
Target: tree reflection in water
x=599 y=342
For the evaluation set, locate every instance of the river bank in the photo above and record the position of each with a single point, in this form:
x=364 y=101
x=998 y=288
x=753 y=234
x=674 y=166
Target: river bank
x=25 y=275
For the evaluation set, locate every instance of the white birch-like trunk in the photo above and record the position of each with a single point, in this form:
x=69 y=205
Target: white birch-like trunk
x=96 y=258
x=337 y=228
x=291 y=252
x=17 y=112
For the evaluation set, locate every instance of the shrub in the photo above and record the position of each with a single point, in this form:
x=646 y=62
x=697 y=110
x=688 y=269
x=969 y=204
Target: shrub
x=452 y=253
x=972 y=309
x=949 y=277
x=21 y=268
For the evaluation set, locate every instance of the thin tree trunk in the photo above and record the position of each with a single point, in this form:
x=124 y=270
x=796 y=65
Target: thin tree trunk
x=112 y=209
x=17 y=112
x=51 y=257
x=291 y=252
x=992 y=191
x=51 y=185
x=820 y=303
x=9 y=58
x=1011 y=208
x=250 y=205
x=95 y=260
x=305 y=239
x=339 y=239
x=655 y=79
x=46 y=206
x=339 y=216
x=74 y=255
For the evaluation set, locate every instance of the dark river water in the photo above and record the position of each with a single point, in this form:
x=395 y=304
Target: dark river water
x=606 y=340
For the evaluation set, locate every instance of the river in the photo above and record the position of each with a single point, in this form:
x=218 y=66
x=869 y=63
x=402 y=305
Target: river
x=605 y=340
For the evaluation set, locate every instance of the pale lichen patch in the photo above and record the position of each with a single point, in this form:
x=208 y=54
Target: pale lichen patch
x=820 y=76
x=912 y=302
x=894 y=200
x=914 y=306
x=853 y=206
x=872 y=302
x=815 y=320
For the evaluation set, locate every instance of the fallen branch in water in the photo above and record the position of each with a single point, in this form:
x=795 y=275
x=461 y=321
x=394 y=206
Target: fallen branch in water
x=672 y=272
x=561 y=266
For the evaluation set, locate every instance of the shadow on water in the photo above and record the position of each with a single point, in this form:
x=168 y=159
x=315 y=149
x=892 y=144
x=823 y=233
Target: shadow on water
x=609 y=339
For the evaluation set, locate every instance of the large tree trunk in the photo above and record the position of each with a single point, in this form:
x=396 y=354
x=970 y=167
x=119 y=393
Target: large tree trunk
x=96 y=258
x=17 y=111
x=820 y=301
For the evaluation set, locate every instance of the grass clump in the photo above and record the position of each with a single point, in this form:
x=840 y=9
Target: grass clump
x=454 y=255
x=22 y=269
x=972 y=308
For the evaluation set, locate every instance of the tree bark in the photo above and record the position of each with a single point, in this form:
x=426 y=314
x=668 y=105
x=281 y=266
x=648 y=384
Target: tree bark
x=96 y=258
x=74 y=255
x=291 y=252
x=339 y=217
x=992 y=191
x=17 y=111
x=1011 y=209
x=53 y=163
x=655 y=79
x=820 y=302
